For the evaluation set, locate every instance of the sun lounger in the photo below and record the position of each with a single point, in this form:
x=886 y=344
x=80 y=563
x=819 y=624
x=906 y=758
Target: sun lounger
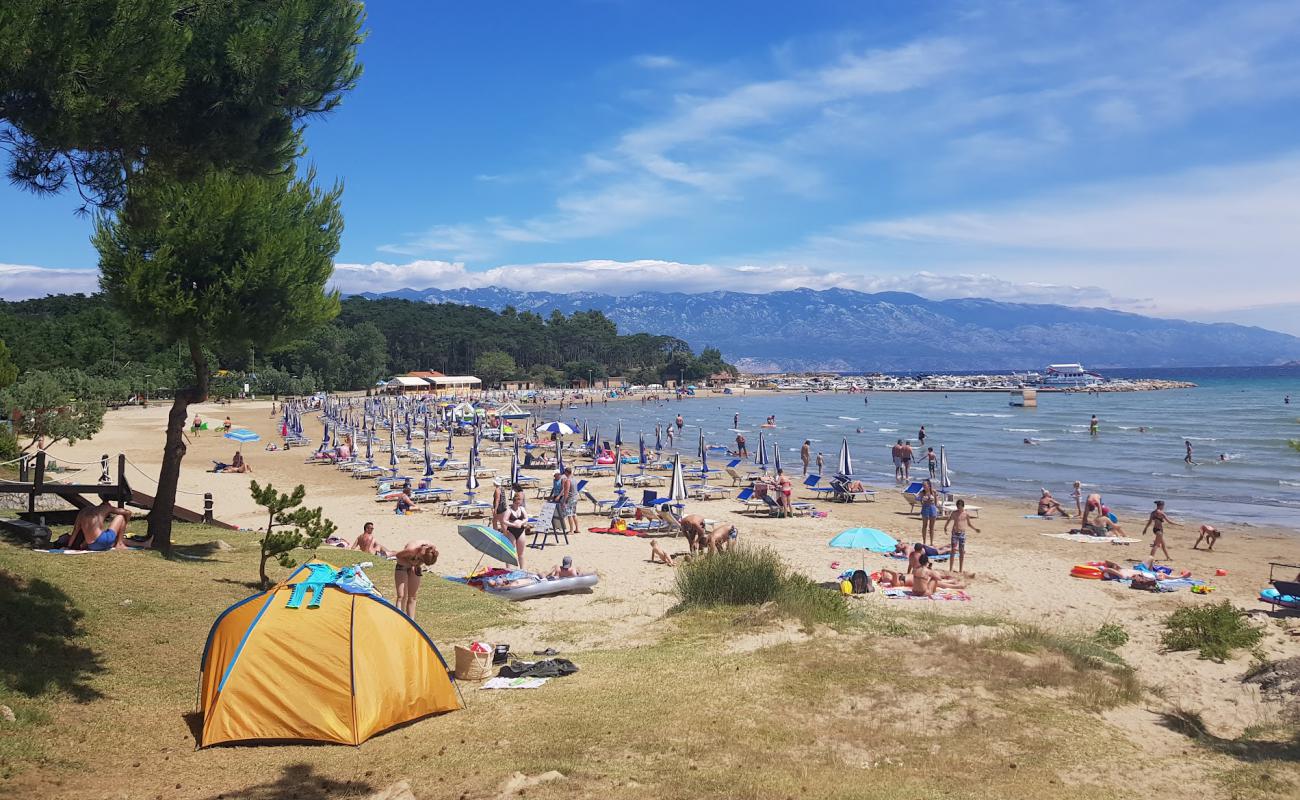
x=810 y=483
x=948 y=508
x=751 y=503
x=840 y=485
x=704 y=491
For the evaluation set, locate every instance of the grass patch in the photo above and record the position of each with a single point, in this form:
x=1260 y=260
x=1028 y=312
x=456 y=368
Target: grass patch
x=1111 y=635
x=755 y=576
x=1214 y=631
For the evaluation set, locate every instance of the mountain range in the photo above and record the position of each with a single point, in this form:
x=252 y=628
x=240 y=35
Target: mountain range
x=849 y=331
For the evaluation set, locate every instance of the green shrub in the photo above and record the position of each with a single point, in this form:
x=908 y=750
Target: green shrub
x=1111 y=635
x=9 y=448
x=1215 y=631
x=748 y=576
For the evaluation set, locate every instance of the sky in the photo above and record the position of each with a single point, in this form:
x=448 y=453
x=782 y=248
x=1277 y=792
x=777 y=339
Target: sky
x=1133 y=155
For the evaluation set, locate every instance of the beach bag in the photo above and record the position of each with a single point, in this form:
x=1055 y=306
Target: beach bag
x=861 y=582
x=1143 y=582
x=472 y=665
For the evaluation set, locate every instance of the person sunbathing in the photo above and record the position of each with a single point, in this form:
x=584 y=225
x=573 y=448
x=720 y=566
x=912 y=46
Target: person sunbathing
x=237 y=464
x=1048 y=505
x=891 y=579
x=366 y=542
x=100 y=528
x=406 y=503
x=564 y=569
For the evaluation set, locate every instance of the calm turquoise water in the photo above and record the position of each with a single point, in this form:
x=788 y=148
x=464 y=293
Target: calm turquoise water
x=1234 y=412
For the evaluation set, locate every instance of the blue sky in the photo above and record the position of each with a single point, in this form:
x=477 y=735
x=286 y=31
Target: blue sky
x=1134 y=155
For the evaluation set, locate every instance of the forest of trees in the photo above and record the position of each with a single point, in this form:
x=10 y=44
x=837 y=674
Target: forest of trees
x=368 y=340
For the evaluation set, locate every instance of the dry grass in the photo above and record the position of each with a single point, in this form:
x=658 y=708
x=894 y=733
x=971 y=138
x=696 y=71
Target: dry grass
x=855 y=714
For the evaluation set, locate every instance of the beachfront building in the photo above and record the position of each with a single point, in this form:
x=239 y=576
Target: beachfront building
x=406 y=383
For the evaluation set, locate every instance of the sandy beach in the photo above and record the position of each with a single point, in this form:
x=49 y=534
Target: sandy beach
x=1013 y=567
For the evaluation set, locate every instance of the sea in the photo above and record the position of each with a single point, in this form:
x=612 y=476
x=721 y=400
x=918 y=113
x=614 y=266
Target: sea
x=1236 y=419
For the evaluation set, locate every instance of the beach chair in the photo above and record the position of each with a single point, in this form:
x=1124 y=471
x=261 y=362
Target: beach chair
x=802 y=508
x=544 y=526
x=736 y=478
x=819 y=492
x=746 y=498
x=840 y=484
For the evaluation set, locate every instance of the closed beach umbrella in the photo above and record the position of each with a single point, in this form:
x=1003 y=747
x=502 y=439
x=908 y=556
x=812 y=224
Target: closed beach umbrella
x=776 y=457
x=489 y=542
x=945 y=478
x=471 y=476
x=659 y=440
x=325 y=437
x=677 y=490
x=704 y=464
x=514 y=468
x=451 y=430
x=618 y=471
x=409 y=438
x=595 y=442
x=618 y=435
x=370 y=455
x=702 y=446
x=760 y=455
x=392 y=444
x=559 y=455
x=846 y=460
x=428 y=462
x=642 y=456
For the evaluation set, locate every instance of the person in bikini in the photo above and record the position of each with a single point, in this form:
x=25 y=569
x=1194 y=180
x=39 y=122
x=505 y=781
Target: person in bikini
x=411 y=561
x=960 y=520
x=1156 y=522
x=892 y=579
x=1048 y=505
x=929 y=500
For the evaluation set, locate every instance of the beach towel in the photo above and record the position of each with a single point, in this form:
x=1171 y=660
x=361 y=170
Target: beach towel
x=59 y=551
x=904 y=593
x=1083 y=537
x=513 y=683
x=1053 y=518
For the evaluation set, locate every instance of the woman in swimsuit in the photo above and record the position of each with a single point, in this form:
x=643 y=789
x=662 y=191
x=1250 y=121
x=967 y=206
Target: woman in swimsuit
x=516 y=524
x=411 y=561
x=1156 y=522
x=929 y=511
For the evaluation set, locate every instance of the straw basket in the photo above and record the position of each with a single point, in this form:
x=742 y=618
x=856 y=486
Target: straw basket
x=472 y=666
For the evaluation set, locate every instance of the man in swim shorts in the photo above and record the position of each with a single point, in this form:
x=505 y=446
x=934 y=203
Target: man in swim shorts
x=693 y=529
x=960 y=520
x=723 y=537
x=101 y=527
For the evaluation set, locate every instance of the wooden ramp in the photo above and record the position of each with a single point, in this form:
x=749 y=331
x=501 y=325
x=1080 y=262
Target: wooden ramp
x=141 y=500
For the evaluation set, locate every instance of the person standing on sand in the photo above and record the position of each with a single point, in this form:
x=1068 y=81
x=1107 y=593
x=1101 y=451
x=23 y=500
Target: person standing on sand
x=1092 y=426
x=570 y=510
x=821 y=464
x=805 y=454
x=929 y=511
x=1077 y=494
x=959 y=520
x=1156 y=522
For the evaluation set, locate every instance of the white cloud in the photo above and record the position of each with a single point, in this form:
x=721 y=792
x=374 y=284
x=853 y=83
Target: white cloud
x=650 y=61
x=22 y=282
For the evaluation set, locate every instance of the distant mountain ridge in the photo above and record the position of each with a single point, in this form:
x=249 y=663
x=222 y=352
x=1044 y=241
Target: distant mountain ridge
x=845 y=330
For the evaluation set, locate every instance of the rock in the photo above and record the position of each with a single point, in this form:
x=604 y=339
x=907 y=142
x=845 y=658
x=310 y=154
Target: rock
x=519 y=781
x=7 y=714
x=398 y=791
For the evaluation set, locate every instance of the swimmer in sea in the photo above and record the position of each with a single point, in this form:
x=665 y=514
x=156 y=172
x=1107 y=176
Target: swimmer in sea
x=1030 y=441
x=1187 y=459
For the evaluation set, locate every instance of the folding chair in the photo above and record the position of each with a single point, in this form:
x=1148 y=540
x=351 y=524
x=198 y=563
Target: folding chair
x=544 y=525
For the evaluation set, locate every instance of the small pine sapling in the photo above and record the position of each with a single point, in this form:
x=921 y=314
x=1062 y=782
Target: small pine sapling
x=300 y=527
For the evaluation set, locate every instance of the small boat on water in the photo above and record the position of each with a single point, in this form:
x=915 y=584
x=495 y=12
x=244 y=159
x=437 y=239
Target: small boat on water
x=1069 y=375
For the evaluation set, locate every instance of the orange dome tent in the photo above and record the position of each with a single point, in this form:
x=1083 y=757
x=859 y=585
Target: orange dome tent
x=341 y=667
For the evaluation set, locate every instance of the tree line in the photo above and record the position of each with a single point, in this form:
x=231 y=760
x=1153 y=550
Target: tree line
x=369 y=340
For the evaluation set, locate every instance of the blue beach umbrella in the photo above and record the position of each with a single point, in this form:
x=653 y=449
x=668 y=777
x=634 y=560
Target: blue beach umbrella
x=242 y=435
x=659 y=442
x=370 y=456
x=451 y=448
x=618 y=471
x=866 y=540
x=514 y=468
x=428 y=462
x=702 y=447
x=846 y=460
x=557 y=427
x=489 y=542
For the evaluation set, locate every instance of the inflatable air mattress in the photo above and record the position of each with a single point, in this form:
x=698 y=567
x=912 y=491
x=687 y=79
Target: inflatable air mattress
x=542 y=587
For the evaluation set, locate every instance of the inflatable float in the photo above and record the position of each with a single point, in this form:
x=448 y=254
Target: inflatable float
x=1089 y=571
x=1273 y=597
x=542 y=587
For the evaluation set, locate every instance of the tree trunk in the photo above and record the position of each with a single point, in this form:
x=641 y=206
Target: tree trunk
x=160 y=516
